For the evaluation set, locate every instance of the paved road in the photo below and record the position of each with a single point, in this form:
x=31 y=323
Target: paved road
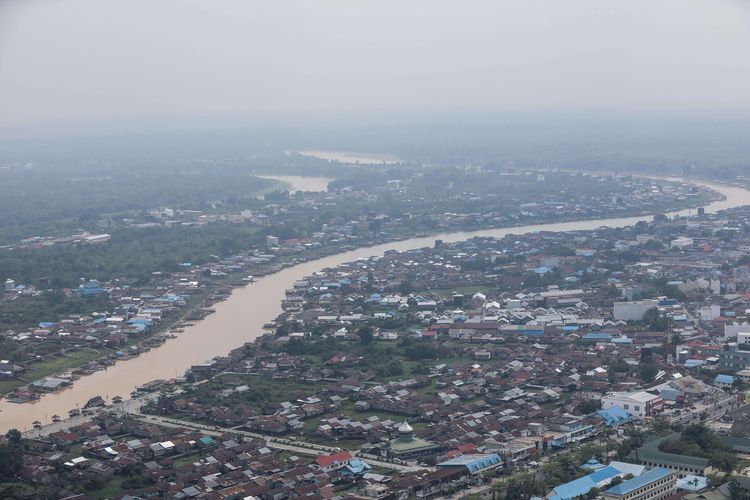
x=133 y=407
x=714 y=408
x=299 y=447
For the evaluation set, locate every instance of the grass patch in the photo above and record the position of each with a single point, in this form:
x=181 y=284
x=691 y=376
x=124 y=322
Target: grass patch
x=54 y=365
x=188 y=459
x=113 y=488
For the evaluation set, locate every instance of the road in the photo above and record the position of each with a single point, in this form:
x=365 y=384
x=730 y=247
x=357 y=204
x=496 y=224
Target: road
x=714 y=408
x=130 y=406
x=133 y=407
x=300 y=447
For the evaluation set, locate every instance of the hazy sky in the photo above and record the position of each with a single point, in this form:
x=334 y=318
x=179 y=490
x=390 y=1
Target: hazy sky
x=80 y=61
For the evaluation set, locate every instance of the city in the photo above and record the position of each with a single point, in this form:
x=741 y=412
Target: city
x=374 y=250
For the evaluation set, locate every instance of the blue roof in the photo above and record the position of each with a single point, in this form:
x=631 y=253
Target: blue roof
x=614 y=415
x=692 y=363
x=584 y=484
x=357 y=466
x=593 y=464
x=622 y=340
x=597 y=336
x=604 y=474
x=570 y=328
x=724 y=379
x=532 y=333
x=644 y=479
x=473 y=462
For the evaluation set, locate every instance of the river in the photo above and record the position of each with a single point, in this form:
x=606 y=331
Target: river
x=300 y=183
x=241 y=317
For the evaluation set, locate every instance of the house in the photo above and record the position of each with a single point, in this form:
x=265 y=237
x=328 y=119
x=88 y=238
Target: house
x=724 y=381
x=354 y=468
x=476 y=463
x=10 y=370
x=333 y=462
x=655 y=484
x=50 y=384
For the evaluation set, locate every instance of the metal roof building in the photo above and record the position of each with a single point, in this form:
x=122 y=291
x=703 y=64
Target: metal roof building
x=655 y=484
x=475 y=463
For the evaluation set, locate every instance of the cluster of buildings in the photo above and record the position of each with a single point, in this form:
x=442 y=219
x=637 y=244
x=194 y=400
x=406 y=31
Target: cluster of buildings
x=452 y=363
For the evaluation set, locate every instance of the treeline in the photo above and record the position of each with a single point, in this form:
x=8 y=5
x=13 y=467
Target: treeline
x=47 y=200
x=131 y=255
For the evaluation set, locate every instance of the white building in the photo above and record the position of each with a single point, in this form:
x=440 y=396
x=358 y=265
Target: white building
x=93 y=239
x=637 y=404
x=710 y=313
x=733 y=329
x=633 y=311
x=681 y=242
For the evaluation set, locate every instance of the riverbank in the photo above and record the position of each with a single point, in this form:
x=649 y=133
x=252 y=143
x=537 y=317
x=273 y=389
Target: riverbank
x=241 y=318
x=218 y=289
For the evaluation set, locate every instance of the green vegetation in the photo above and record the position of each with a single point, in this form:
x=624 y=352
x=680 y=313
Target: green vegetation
x=42 y=200
x=131 y=255
x=53 y=364
x=11 y=456
x=699 y=441
x=589 y=406
x=52 y=305
x=560 y=469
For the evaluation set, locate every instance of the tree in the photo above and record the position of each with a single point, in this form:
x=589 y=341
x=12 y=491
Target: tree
x=589 y=406
x=647 y=371
x=11 y=460
x=13 y=436
x=662 y=425
x=655 y=321
x=406 y=287
x=365 y=335
x=723 y=460
x=736 y=491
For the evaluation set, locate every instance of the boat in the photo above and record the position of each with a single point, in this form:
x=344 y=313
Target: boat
x=37 y=424
x=74 y=412
x=56 y=418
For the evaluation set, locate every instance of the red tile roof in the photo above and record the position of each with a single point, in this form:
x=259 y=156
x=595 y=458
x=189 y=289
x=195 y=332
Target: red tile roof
x=326 y=460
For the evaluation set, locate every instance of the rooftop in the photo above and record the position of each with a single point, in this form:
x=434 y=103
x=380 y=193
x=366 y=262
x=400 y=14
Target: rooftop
x=644 y=479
